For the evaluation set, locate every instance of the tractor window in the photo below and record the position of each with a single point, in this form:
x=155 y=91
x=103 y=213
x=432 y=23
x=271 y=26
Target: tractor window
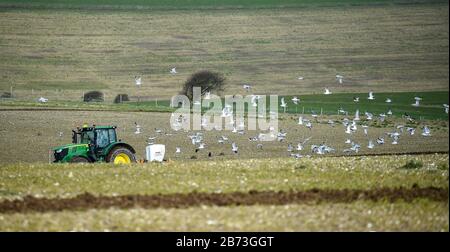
x=86 y=137
x=112 y=136
x=102 y=138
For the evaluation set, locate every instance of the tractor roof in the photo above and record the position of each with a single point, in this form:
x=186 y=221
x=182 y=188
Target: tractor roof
x=88 y=128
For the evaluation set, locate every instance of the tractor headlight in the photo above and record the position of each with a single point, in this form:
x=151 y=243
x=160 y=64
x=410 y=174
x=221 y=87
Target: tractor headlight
x=58 y=151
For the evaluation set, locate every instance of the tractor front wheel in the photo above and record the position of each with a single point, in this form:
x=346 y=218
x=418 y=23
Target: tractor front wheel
x=121 y=155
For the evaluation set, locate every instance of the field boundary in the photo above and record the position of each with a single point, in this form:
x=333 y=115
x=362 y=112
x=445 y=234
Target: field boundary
x=314 y=196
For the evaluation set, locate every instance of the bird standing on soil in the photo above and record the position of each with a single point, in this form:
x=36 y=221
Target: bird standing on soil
x=371 y=96
x=327 y=91
x=234 y=148
x=138 y=128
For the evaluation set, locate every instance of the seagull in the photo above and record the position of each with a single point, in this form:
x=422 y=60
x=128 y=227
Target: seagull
x=178 y=150
x=371 y=97
x=369 y=116
x=380 y=140
x=300 y=121
x=61 y=134
x=296 y=155
x=300 y=145
x=389 y=112
x=295 y=100
x=411 y=130
x=348 y=141
x=371 y=145
x=327 y=92
x=290 y=148
x=426 y=131
x=138 y=128
x=417 y=103
x=356 y=115
x=365 y=127
x=388 y=100
x=301 y=78
x=138 y=80
x=283 y=104
x=445 y=108
x=173 y=70
x=308 y=125
x=355 y=148
x=340 y=78
x=246 y=87
x=234 y=148
x=342 y=111
x=42 y=100
x=356 y=99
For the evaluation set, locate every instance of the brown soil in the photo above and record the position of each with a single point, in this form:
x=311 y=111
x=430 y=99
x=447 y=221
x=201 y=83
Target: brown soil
x=89 y=201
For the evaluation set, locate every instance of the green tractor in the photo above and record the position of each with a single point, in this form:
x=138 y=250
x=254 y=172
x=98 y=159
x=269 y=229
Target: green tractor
x=95 y=144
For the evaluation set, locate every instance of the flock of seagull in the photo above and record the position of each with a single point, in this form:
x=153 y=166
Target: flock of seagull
x=350 y=127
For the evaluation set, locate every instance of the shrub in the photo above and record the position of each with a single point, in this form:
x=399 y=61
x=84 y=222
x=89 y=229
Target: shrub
x=93 y=96
x=413 y=164
x=206 y=80
x=121 y=98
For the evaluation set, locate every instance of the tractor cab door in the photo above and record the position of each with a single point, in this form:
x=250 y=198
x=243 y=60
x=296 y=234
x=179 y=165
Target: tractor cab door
x=103 y=138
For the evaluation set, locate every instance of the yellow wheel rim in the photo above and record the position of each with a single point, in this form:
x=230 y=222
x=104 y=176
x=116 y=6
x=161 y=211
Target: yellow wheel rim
x=122 y=159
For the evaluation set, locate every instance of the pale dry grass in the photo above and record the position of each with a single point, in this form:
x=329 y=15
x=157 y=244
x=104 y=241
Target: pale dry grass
x=359 y=216
x=382 y=48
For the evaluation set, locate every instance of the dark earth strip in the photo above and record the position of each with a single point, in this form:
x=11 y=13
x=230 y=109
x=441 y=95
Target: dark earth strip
x=88 y=201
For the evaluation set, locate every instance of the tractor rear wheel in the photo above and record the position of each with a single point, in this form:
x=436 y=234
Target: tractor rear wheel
x=121 y=155
x=79 y=160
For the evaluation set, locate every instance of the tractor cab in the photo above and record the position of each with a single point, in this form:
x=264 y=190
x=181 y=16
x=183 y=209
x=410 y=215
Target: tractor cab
x=93 y=144
x=98 y=137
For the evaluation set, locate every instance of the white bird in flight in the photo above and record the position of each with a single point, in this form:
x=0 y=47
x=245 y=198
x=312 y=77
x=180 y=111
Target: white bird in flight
x=417 y=103
x=445 y=108
x=371 y=96
x=388 y=100
x=247 y=87
x=173 y=70
x=42 y=100
x=340 y=78
x=295 y=100
x=426 y=131
x=138 y=80
x=301 y=78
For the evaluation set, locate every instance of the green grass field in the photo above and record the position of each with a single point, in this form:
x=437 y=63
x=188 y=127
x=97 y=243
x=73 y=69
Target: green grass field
x=431 y=106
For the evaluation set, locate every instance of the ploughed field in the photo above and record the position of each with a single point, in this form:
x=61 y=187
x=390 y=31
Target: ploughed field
x=23 y=141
